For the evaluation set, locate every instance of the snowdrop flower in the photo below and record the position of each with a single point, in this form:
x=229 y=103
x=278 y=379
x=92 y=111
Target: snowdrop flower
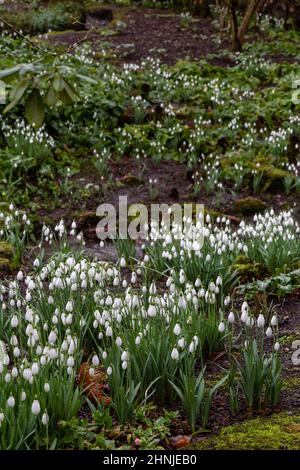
x=269 y=332
x=109 y=371
x=69 y=306
x=151 y=311
x=277 y=346
x=119 y=341
x=124 y=356
x=45 y=419
x=11 y=402
x=177 y=329
x=175 y=354
x=14 y=321
x=108 y=331
x=231 y=317
x=36 y=407
x=221 y=327
x=124 y=365
x=46 y=387
x=260 y=321
x=274 y=320
x=95 y=361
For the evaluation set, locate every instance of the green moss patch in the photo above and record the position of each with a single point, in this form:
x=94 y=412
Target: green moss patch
x=280 y=431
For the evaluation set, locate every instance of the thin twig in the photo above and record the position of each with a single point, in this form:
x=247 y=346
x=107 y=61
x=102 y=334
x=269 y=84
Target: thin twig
x=44 y=51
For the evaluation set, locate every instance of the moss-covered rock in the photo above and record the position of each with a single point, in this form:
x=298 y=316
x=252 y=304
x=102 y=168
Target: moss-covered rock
x=249 y=206
x=280 y=431
x=6 y=250
x=275 y=179
x=249 y=270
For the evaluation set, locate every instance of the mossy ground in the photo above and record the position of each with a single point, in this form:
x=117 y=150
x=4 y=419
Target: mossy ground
x=280 y=431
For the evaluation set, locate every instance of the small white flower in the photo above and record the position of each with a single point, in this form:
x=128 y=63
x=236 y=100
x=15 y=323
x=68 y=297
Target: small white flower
x=269 y=332
x=177 y=329
x=109 y=370
x=231 y=317
x=36 y=407
x=45 y=419
x=11 y=402
x=95 y=361
x=274 y=320
x=221 y=327
x=277 y=346
x=175 y=354
x=260 y=321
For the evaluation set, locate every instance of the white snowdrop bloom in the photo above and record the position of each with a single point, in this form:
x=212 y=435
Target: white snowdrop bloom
x=14 y=372
x=1 y=418
x=70 y=361
x=95 y=360
x=124 y=356
x=14 y=321
x=52 y=337
x=277 y=346
x=221 y=327
x=45 y=419
x=108 y=331
x=20 y=276
x=274 y=320
x=175 y=354
x=124 y=365
x=260 y=321
x=104 y=355
x=27 y=373
x=31 y=285
x=151 y=311
x=91 y=371
x=16 y=351
x=244 y=316
x=70 y=306
x=122 y=262
x=181 y=343
x=192 y=347
x=138 y=340
x=231 y=317
x=119 y=341
x=35 y=368
x=69 y=319
x=46 y=387
x=109 y=371
x=177 y=329
x=11 y=402
x=269 y=332
x=36 y=263
x=36 y=407
x=7 y=378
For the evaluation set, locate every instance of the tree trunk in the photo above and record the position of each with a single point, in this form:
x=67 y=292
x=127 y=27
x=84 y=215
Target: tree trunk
x=247 y=18
x=236 y=43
